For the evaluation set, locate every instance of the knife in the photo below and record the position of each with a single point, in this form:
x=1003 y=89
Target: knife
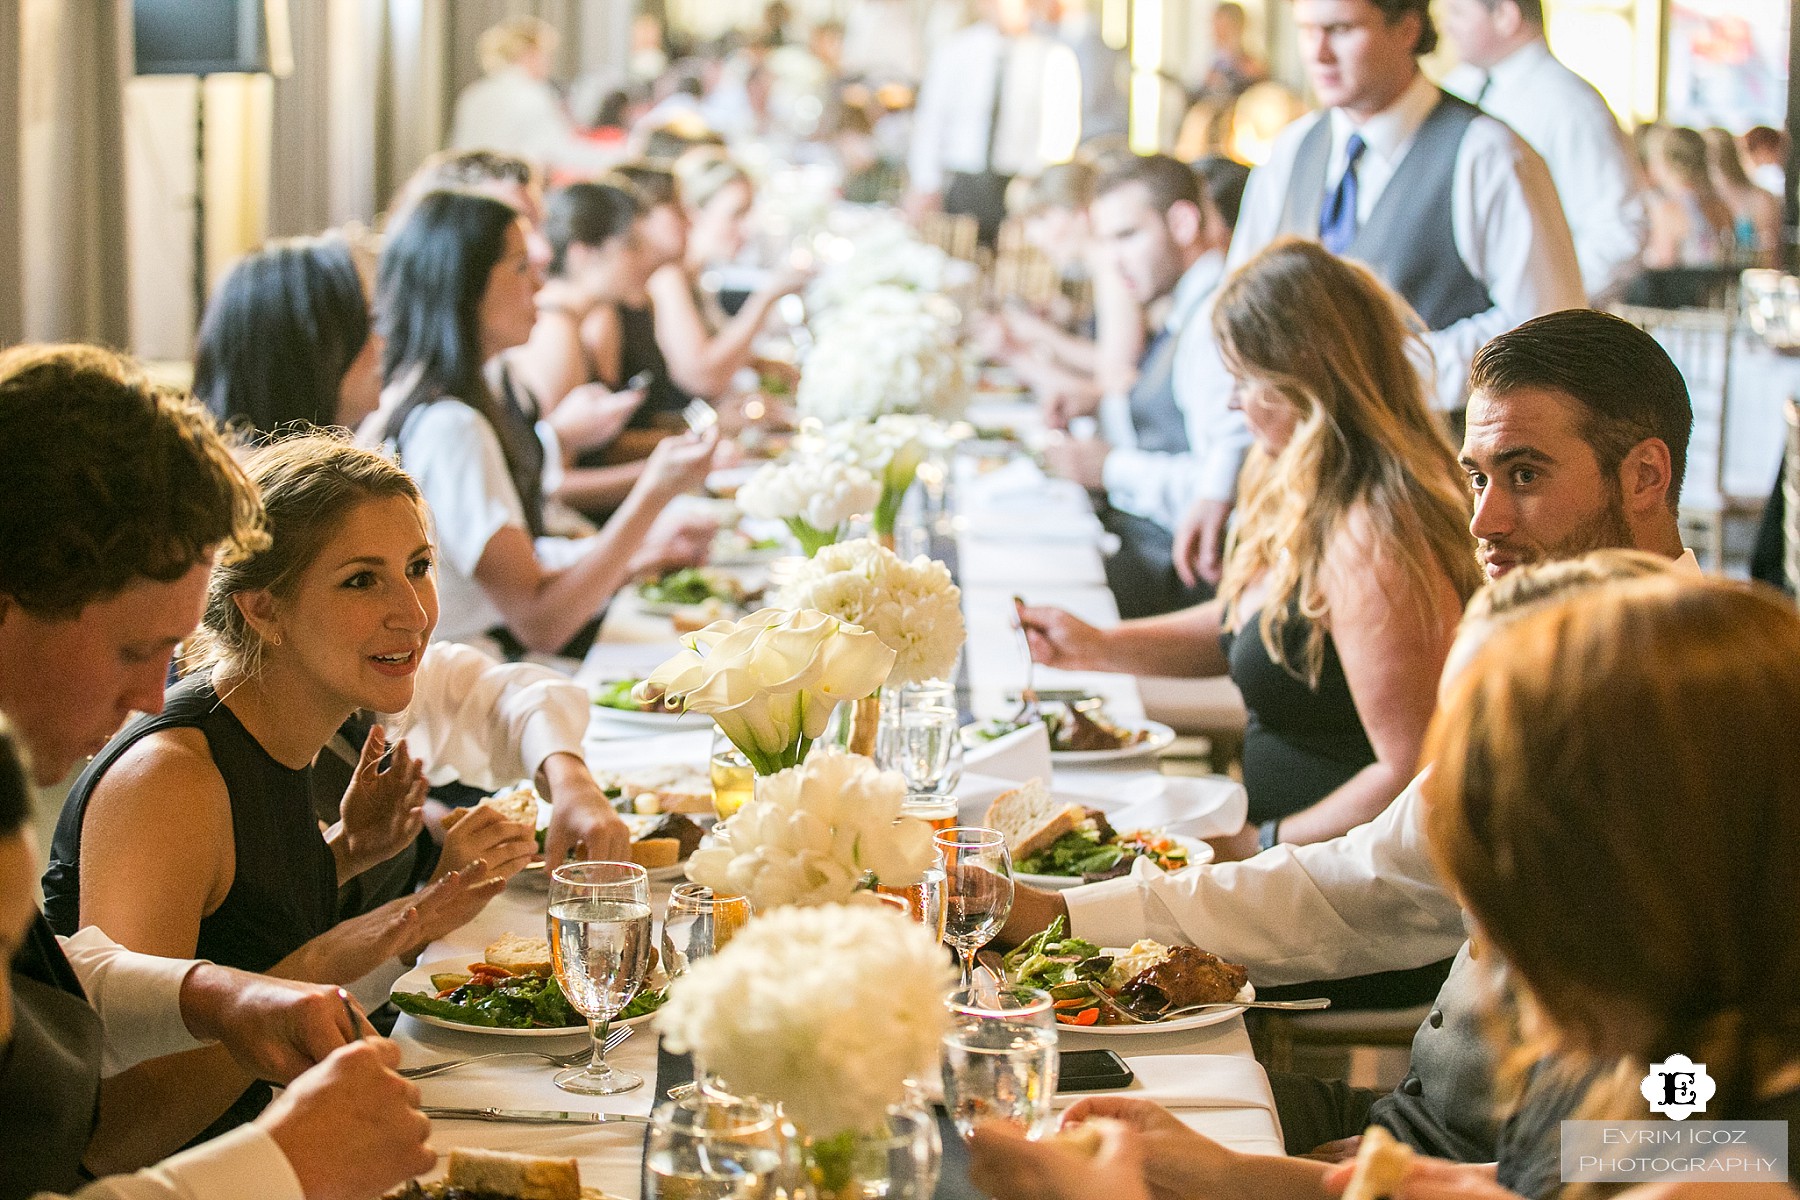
x=534 y=1116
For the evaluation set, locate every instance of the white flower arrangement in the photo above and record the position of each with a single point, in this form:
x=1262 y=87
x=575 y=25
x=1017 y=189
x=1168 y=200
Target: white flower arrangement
x=892 y=351
x=770 y=680
x=828 y=1011
x=812 y=834
x=883 y=252
x=816 y=495
x=890 y=449
x=914 y=608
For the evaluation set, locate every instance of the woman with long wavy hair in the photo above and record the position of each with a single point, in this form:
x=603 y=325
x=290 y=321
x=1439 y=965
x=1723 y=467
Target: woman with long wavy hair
x=1350 y=562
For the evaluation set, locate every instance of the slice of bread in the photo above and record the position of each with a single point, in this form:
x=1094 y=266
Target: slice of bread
x=515 y=804
x=651 y=853
x=1381 y=1163
x=520 y=955
x=681 y=789
x=1031 y=818
x=516 y=1176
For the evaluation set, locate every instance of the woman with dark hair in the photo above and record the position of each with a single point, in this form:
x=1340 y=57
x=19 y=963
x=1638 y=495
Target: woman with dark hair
x=286 y=339
x=456 y=289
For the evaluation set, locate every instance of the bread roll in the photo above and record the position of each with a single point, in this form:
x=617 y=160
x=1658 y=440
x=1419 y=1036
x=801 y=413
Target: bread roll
x=1381 y=1163
x=518 y=1176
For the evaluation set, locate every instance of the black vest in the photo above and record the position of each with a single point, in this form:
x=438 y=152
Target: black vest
x=1408 y=240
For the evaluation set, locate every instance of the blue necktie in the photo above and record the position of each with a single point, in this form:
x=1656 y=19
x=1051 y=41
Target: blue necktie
x=1337 y=220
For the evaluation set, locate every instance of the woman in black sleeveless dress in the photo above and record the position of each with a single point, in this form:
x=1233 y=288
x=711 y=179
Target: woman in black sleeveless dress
x=1350 y=561
x=193 y=833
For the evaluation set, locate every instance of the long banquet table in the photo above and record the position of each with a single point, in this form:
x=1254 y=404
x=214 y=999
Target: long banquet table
x=1013 y=537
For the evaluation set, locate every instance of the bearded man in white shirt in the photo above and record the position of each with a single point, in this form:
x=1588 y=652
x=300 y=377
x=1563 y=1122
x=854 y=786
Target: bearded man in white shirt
x=1166 y=236
x=1577 y=441
x=106 y=543
x=1508 y=70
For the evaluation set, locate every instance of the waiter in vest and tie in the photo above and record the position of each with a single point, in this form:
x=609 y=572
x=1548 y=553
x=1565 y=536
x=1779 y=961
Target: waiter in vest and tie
x=1166 y=235
x=1448 y=206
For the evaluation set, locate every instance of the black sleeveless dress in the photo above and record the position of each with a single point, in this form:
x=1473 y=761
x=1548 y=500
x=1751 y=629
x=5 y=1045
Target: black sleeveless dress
x=1302 y=743
x=49 y=1072
x=284 y=887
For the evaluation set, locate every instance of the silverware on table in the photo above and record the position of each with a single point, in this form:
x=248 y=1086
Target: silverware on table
x=427 y=1070
x=533 y=1116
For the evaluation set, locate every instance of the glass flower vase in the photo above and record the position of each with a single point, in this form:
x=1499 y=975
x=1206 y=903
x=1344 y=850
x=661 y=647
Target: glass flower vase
x=899 y=1162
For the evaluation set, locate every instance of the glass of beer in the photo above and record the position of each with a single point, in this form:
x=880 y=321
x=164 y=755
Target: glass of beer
x=923 y=898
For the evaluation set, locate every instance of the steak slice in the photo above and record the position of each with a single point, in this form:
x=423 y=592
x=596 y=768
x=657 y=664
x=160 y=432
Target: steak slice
x=1189 y=975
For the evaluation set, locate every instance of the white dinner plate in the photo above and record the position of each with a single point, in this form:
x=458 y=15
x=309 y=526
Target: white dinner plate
x=419 y=980
x=1199 y=1020
x=665 y=721
x=1160 y=739
x=1198 y=852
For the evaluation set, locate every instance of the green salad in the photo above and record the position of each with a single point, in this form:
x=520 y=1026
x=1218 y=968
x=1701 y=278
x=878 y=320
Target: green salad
x=618 y=695
x=690 y=585
x=1083 y=851
x=516 y=1002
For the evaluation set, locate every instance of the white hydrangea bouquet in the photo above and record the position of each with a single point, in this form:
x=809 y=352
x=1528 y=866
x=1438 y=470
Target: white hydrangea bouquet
x=890 y=351
x=882 y=252
x=890 y=449
x=913 y=607
x=816 y=495
x=829 y=1011
x=815 y=834
x=770 y=680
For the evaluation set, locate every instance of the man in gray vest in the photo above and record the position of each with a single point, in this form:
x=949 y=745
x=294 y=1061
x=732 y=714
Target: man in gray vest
x=1448 y=206
x=1167 y=238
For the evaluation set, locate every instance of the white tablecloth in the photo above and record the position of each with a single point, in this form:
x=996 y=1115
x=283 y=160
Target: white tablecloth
x=1214 y=1066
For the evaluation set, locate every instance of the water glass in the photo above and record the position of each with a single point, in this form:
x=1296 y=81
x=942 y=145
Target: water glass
x=707 y=1147
x=599 y=928
x=977 y=890
x=733 y=778
x=921 y=742
x=1000 y=1058
x=697 y=924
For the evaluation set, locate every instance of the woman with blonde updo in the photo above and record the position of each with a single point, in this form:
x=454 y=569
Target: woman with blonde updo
x=1351 y=559
x=1690 y=226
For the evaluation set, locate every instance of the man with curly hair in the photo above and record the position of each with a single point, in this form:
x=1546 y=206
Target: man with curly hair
x=119 y=495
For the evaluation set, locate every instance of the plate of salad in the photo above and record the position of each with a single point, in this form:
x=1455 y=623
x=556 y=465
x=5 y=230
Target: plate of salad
x=1089 y=983
x=453 y=993
x=614 y=698
x=688 y=587
x=1058 y=842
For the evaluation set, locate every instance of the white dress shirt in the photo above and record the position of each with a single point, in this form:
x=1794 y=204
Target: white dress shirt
x=138 y=999
x=1504 y=215
x=488 y=723
x=1369 y=900
x=1040 y=112
x=1562 y=117
x=1160 y=487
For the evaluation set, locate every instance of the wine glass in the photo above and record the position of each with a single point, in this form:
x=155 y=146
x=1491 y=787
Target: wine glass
x=977 y=890
x=733 y=778
x=599 y=922
x=1000 y=1057
x=698 y=923
x=726 y=1148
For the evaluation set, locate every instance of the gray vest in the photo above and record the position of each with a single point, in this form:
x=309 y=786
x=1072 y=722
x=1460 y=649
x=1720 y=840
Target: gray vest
x=1408 y=239
x=1445 y=1106
x=1155 y=417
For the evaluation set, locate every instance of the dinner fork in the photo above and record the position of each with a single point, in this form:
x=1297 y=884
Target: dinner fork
x=1310 y=1004
x=700 y=416
x=1028 y=701
x=427 y=1070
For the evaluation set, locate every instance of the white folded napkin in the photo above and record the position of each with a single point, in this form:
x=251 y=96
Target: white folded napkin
x=1204 y=806
x=1020 y=755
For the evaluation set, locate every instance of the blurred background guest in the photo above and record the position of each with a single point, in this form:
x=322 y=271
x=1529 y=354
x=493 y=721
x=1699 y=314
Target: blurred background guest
x=1755 y=213
x=1690 y=225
